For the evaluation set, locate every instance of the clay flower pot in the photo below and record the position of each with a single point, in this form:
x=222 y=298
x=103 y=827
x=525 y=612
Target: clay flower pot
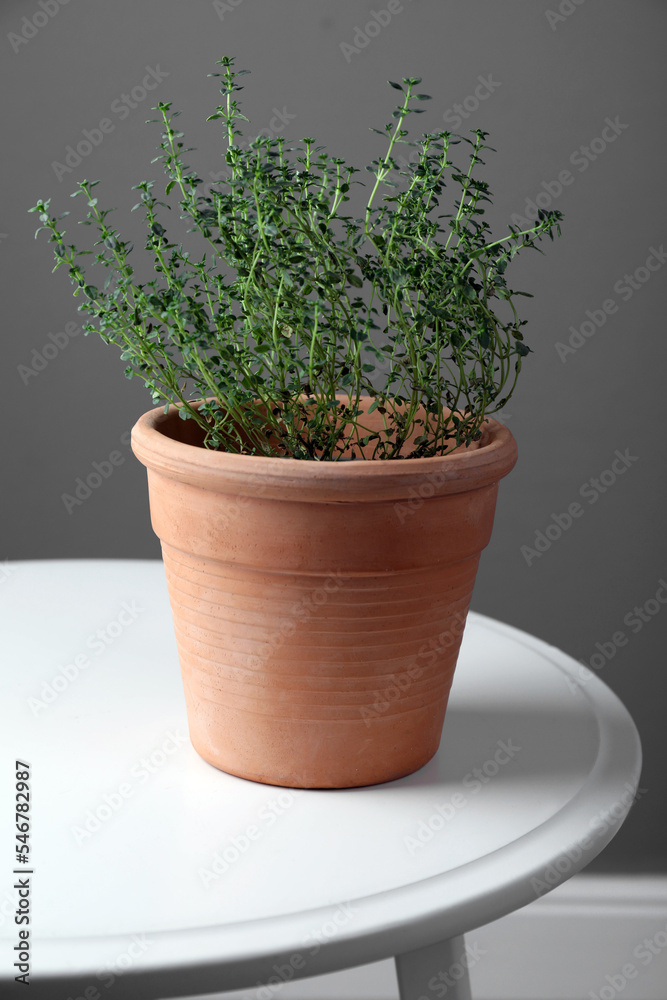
x=318 y=606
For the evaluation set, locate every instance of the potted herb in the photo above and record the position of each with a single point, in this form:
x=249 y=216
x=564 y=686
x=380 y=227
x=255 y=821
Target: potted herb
x=322 y=464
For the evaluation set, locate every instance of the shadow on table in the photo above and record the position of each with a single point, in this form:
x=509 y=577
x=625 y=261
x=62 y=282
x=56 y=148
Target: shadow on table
x=515 y=745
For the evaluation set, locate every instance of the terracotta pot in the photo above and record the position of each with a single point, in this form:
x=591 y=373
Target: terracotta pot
x=318 y=606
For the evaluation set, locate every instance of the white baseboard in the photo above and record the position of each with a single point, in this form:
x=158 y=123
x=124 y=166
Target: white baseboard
x=574 y=943
x=596 y=937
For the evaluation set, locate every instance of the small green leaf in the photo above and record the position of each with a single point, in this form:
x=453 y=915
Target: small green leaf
x=484 y=338
x=396 y=86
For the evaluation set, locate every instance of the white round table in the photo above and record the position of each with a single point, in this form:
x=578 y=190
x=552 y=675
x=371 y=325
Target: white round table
x=155 y=873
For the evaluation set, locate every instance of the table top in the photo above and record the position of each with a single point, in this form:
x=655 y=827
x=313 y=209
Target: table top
x=142 y=849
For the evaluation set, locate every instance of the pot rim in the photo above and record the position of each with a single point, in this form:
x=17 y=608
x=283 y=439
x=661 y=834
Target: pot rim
x=273 y=477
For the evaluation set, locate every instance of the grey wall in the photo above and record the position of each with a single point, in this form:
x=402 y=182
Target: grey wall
x=555 y=79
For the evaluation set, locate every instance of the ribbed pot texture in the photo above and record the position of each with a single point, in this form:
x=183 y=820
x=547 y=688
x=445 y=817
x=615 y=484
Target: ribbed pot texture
x=318 y=606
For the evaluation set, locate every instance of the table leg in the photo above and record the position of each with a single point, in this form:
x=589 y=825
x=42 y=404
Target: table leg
x=438 y=970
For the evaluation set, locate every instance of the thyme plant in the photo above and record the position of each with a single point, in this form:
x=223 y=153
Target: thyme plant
x=293 y=300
